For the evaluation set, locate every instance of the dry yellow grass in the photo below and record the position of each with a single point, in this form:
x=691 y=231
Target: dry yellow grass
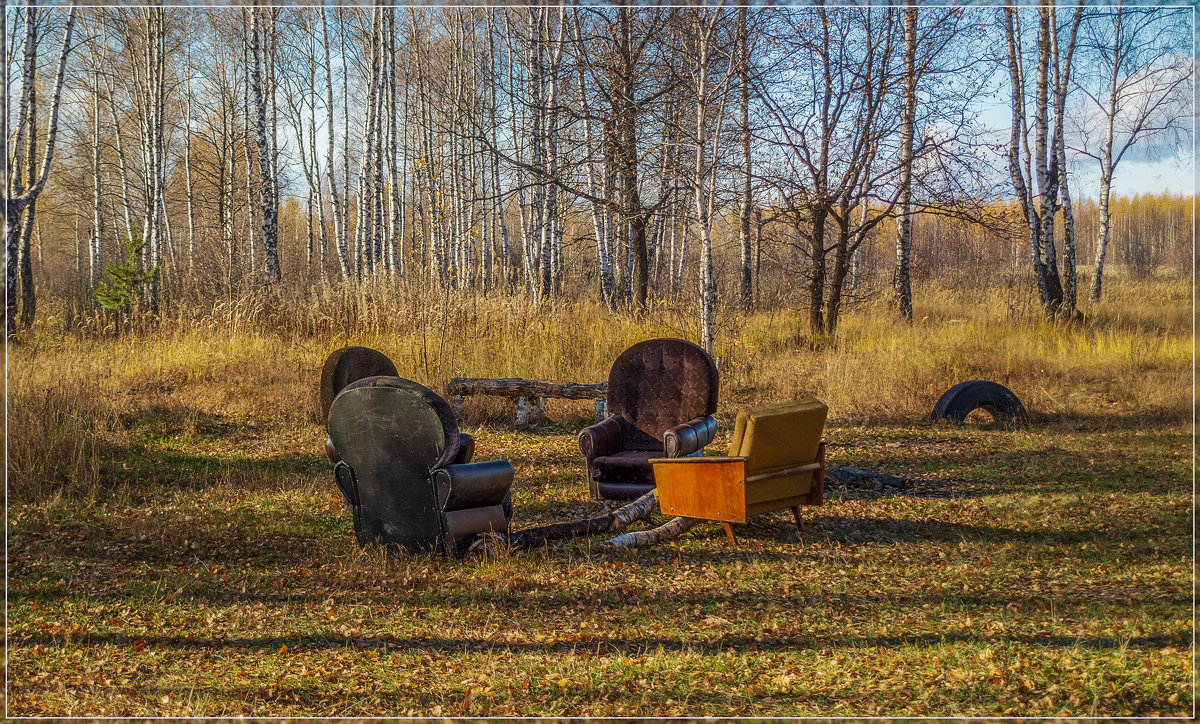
x=72 y=396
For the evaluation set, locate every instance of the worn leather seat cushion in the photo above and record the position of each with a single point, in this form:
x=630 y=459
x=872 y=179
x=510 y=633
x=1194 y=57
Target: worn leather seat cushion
x=623 y=491
x=628 y=466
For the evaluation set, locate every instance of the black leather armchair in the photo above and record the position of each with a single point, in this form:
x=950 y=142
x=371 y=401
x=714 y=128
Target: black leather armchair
x=406 y=470
x=662 y=393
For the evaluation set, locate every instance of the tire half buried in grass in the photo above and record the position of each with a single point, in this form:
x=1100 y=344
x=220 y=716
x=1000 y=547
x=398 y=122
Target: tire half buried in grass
x=966 y=397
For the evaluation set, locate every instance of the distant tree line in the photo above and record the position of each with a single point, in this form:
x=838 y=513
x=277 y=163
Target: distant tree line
x=629 y=153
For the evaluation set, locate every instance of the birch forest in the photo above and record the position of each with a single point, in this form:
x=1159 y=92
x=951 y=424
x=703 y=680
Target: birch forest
x=717 y=158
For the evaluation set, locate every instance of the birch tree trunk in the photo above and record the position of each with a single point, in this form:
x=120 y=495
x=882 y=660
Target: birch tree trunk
x=705 y=174
x=901 y=280
x=551 y=240
x=664 y=532
x=315 y=163
x=29 y=157
x=1019 y=157
x=24 y=193
x=395 y=170
x=126 y=204
x=339 y=221
x=1106 y=163
x=498 y=198
x=95 y=247
x=187 y=169
x=247 y=142
x=1047 y=163
x=270 y=222
x=744 y=209
x=1062 y=79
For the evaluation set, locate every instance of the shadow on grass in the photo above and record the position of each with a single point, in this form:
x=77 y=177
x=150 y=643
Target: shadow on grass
x=272 y=534
x=600 y=643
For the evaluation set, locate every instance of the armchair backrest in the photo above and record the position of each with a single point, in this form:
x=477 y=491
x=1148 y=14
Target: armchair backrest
x=661 y=383
x=421 y=428
x=777 y=437
x=347 y=365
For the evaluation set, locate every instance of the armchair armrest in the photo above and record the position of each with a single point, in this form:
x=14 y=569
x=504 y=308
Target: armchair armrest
x=473 y=498
x=473 y=485
x=702 y=487
x=466 y=449
x=604 y=438
x=689 y=437
x=700 y=460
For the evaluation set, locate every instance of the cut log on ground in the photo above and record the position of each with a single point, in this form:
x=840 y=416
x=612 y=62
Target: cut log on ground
x=529 y=395
x=614 y=522
x=517 y=387
x=664 y=532
x=859 y=478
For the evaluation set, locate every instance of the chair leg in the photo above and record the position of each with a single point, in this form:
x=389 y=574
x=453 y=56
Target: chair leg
x=729 y=532
x=799 y=520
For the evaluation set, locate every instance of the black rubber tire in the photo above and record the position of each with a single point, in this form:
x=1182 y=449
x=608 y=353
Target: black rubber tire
x=966 y=397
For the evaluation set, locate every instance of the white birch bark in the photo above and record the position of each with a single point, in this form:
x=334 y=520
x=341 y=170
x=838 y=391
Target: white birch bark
x=704 y=183
x=1047 y=165
x=23 y=197
x=339 y=220
x=119 y=137
x=252 y=220
x=267 y=199
x=187 y=168
x=901 y=281
x=1062 y=80
x=1021 y=178
x=395 y=171
x=95 y=246
x=1106 y=175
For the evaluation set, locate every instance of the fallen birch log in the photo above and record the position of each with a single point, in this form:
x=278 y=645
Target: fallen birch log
x=529 y=395
x=614 y=522
x=664 y=532
x=517 y=387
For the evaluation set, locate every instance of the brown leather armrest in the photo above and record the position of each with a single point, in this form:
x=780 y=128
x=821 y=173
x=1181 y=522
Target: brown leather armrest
x=604 y=438
x=689 y=437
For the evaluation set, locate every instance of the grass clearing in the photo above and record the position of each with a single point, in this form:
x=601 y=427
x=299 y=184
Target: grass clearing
x=176 y=545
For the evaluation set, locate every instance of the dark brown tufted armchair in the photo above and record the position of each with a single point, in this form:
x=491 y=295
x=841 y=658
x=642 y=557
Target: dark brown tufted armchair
x=661 y=394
